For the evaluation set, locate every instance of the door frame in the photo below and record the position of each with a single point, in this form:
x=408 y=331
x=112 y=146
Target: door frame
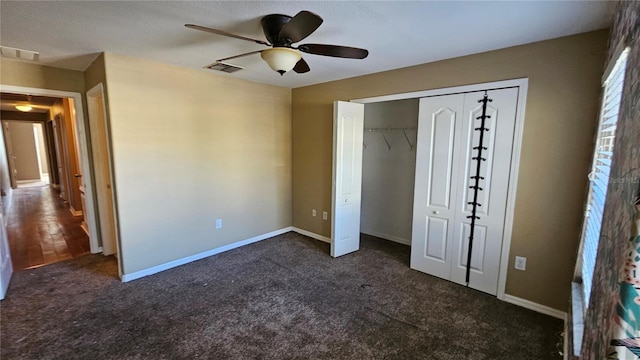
x=97 y=92
x=84 y=151
x=522 y=84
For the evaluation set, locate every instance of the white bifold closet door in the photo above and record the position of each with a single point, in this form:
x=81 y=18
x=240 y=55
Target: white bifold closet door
x=444 y=167
x=348 y=131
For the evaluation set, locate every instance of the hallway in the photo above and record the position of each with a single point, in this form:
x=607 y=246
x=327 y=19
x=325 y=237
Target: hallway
x=42 y=230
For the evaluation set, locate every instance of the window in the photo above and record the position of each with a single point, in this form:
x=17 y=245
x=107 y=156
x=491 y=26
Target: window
x=598 y=184
x=599 y=176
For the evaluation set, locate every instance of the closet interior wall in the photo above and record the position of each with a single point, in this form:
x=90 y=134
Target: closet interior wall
x=388 y=169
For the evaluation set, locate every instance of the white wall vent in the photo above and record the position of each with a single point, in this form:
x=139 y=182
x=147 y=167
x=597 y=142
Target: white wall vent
x=224 y=67
x=21 y=54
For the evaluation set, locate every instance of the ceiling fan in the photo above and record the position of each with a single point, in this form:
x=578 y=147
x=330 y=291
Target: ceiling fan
x=281 y=32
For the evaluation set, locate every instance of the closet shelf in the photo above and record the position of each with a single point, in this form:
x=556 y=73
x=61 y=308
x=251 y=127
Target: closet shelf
x=389 y=129
x=383 y=130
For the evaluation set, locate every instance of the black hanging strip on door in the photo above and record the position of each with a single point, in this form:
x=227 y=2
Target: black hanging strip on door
x=476 y=188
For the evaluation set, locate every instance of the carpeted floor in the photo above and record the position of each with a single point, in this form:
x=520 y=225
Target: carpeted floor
x=281 y=298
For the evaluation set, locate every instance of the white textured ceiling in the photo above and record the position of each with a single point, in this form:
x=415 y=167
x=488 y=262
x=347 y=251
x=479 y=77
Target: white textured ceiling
x=396 y=33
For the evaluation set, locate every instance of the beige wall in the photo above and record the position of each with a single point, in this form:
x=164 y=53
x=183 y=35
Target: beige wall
x=561 y=111
x=37 y=76
x=95 y=73
x=23 y=144
x=189 y=147
x=17 y=73
x=5 y=181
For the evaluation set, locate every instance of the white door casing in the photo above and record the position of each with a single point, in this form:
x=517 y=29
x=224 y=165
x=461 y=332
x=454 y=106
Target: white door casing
x=98 y=125
x=444 y=167
x=348 y=132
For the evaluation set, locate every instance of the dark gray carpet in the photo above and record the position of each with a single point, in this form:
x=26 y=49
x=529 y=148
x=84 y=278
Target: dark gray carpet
x=282 y=298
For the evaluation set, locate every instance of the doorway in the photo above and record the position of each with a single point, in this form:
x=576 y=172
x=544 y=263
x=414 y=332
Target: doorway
x=27 y=154
x=46 y=215
x=421 y=238
x=388 y=169
x=83 y=177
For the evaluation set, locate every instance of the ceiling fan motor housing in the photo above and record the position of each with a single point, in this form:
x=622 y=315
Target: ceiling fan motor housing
x=272 y=25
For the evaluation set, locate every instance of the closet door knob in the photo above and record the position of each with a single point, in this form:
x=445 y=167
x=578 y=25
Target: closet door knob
x=436 y=212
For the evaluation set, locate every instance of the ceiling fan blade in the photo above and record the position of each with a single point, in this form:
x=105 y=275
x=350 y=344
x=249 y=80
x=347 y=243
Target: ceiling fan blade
x=334 y=50
x=300 y=26
x=224 y=33
x=301 y=67
x=239 y=56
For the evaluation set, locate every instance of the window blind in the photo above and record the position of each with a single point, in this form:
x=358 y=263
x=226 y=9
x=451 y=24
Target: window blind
x=600 y=171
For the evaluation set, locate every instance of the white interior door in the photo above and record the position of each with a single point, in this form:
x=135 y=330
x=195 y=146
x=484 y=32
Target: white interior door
x=348 y=131
x=444 y=166
x=6 y=268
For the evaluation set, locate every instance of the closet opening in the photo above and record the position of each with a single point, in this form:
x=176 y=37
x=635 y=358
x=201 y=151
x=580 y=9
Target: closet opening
x=405 y=169
x=388 y=169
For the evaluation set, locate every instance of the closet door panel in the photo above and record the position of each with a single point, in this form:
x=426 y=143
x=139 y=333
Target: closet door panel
x=348 y=125
x=471 y=139
x=437 y=169
x=488 y=234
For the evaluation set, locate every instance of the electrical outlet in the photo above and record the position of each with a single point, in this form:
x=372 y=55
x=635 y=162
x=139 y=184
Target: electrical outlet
x=218 y=223
x=313 y=212
x=324 y=215
x=521 y=263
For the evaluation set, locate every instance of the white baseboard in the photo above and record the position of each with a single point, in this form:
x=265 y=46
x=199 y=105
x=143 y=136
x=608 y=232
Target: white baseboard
x=74 y=211
x=28 y=181
x=387 y=237
x=84 y=227
x=171 y=264
x=311 y=235
x=543 y=309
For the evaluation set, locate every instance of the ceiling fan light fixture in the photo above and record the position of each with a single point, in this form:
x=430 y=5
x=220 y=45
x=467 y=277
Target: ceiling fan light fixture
x=24 y=108
x=281 y=59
